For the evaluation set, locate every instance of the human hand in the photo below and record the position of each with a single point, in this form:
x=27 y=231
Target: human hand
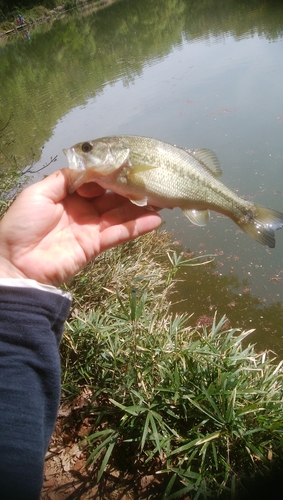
x=49 y=235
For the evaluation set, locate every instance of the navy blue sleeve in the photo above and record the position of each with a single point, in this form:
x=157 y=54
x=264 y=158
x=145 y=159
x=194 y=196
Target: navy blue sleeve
x=31 y=325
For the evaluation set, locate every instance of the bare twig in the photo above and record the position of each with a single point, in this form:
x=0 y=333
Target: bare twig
x=29 y=171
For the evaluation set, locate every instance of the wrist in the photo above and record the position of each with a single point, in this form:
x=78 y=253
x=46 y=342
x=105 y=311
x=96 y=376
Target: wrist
x=8 y=270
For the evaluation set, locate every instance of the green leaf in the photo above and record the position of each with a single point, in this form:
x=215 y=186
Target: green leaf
x=208 y=437
x=145 y=432
x=154 y=430
x=106 y=457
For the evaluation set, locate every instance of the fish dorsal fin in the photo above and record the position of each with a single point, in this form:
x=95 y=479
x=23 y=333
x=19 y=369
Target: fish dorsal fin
x=208 y=160
x=197 y=217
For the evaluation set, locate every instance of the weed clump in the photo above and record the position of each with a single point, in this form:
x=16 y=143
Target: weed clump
x=196 y=406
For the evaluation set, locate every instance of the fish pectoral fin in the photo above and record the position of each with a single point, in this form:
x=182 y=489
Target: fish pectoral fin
x=140 y=202
x=197 y=217
x=136 y=169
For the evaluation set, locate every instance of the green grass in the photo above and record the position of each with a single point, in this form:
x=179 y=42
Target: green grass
x=199 y=407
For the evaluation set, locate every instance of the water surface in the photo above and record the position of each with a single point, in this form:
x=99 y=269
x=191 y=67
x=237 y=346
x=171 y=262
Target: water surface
x=197 y=74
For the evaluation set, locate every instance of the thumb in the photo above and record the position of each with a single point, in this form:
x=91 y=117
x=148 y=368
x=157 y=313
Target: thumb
x=54 y=186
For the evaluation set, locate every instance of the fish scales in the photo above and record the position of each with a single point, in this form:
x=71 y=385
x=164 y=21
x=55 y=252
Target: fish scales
x=182 y=188
x=184 y=183
x=157 y=174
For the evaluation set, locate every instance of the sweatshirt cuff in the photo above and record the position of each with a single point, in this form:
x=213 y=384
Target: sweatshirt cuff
x=28 y=283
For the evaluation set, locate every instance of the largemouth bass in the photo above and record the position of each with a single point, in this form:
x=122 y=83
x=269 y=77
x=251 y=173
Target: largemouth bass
x=156 y=174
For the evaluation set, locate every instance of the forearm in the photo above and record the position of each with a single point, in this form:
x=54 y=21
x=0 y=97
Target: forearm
x=31 y=324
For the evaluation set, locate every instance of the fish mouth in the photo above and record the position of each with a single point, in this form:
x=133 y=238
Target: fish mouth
x=76 y=162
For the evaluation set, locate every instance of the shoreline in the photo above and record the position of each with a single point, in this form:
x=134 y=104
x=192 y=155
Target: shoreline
x=54 y=14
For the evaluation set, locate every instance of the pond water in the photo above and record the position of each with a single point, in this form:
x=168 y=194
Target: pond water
x=194 y=73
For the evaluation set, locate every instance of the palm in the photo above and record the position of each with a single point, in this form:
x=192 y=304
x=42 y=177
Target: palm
x=49 y=235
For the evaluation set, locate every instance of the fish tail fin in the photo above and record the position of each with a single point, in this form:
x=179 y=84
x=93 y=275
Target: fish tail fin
x=261 y=224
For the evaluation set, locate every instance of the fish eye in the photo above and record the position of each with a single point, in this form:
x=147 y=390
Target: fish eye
x=86 y=147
